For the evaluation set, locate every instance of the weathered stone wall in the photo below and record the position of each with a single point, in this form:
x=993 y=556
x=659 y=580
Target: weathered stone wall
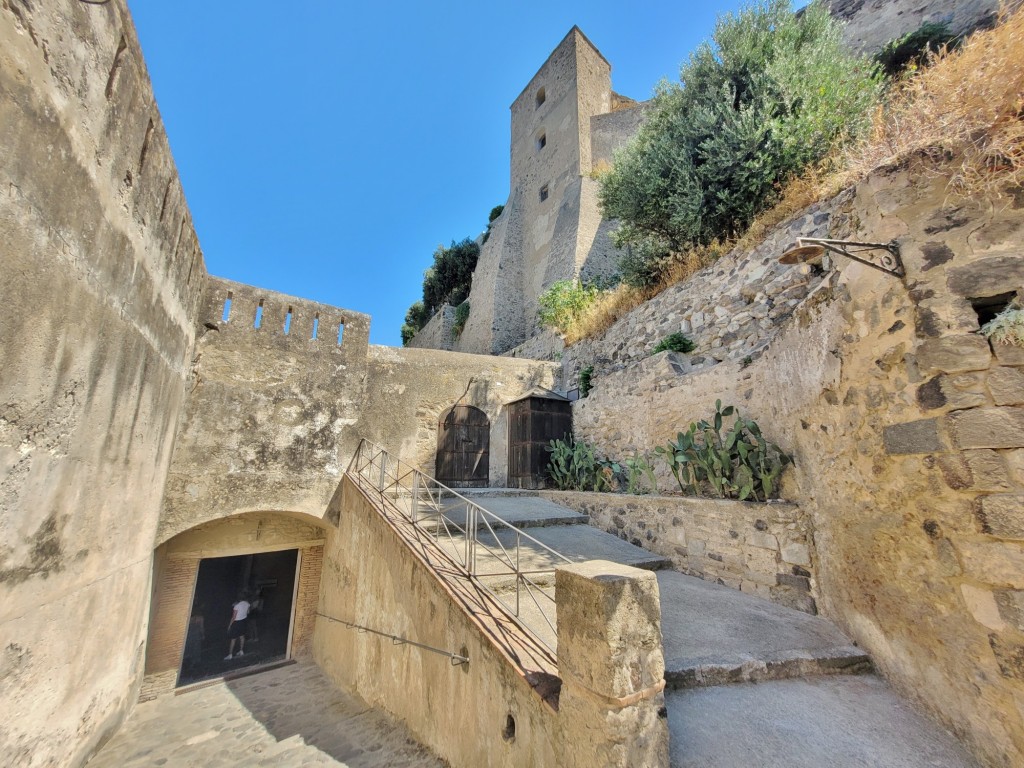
x=763 y=549
x=613 y=130
x=437 y=333
x=609 y=648
x=410 y=389
x=906 y=432
x=870 y=24
x=101 y=280
x=267 y=424
x=729 y=310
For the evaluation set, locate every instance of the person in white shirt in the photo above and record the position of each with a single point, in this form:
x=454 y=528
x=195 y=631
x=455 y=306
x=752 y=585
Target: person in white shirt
x=236 y=627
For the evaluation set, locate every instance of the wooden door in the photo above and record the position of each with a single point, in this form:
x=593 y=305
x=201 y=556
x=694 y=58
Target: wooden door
x=463 y=442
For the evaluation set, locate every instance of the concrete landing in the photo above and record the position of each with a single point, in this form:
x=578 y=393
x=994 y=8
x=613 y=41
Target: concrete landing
x=841 y=722
x=523 y=511
x=714 y=635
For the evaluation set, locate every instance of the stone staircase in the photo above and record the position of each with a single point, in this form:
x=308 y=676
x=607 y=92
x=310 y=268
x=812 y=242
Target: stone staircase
x=749 y=682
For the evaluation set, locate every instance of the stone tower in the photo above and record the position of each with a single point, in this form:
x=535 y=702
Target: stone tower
x=565 y=119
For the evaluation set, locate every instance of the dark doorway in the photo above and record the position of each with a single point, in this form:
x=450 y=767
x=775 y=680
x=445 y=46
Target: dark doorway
x=268 y=582
x=533 y=422
x=463 y=441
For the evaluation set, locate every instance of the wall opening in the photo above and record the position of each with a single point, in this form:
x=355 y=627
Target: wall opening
x=544 y=193
x=509 y=731
x=541 y=96
x=316 y=325
x=226 y=316
x=266 y=581
x=542 y=141
x=288 y=321
x=341 y=334
x=987 y=307
x=258 y=320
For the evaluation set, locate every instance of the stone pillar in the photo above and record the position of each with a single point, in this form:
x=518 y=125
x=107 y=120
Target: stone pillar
x=612 y=703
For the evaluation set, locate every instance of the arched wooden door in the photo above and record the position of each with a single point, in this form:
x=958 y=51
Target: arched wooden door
x=463 y=443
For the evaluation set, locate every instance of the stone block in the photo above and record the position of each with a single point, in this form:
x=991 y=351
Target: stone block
x=987 y=276
x=999 y=563
x=1008 y=354
x=763 y=540
x=1009 y=656
x=988 y=470
x=955 y=471
x=1011 y=606
x=609 y=627
x=954 y=354
x=796 y=553
x=982 y=605
x=1003 y=515
x=1006 y=385
x=1000 y=427
x=801 y=583
x=920 y=436
x=1015 y=463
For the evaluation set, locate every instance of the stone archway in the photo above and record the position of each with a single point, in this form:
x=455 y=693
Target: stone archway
x=176 y=568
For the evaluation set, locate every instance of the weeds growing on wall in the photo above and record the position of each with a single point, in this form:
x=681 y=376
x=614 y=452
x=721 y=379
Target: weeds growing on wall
x=564 y=303
x=575 y=466
x=1007 y=327
x=674 y=342
x=461 y=316
x=586 y=374
x=733 y=462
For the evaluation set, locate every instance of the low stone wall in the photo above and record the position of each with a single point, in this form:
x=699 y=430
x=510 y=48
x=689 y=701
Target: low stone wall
x=487 y=711
x=763 y=549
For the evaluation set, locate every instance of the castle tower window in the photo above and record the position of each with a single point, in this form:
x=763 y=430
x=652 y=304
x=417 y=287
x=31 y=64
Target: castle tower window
x=542 y=141
x=541 y=96
x=544 y=193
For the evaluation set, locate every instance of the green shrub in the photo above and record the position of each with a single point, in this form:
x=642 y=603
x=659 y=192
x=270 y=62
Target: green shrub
x=563 y=305
x=737 y=463
x=496 y=211
x=639 y=467
x=461 y=316
x=674 y=342
x=448 y=280
x=415 y=318
x=914 y=47
x=575 y=466
x=771 y=93
x=585 y=383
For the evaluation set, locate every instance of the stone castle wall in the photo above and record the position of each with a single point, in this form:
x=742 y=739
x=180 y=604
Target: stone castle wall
x=907 y=432
x=870 y=24
x=437 y=333
x=102 y=276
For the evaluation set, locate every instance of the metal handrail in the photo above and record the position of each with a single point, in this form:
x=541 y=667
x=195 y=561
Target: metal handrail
x=466 y=537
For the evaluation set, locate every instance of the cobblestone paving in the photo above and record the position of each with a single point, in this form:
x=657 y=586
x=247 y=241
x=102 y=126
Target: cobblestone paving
x=291 y=716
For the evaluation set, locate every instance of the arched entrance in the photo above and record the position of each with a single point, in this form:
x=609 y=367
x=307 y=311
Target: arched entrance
x=463 y=445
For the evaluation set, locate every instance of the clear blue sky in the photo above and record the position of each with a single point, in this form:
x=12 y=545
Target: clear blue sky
x=326 y=148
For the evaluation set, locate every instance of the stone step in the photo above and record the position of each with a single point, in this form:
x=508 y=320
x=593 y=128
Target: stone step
x=520 y=511
x=841 y=722
x=714 y=635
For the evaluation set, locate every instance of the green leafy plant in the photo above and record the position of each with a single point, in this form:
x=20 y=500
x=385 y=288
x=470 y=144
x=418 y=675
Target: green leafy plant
x=732 y=461
x=914 y=48
x=563 y=305
x=639 y=467
x=575 y=466
x=461 y=316
x=674 y=342
x=586 y=374
x=772 y=93
x=1007 y=327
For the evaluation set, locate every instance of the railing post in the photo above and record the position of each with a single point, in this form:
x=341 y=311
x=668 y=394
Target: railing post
x=383 y=467
x=415 y=507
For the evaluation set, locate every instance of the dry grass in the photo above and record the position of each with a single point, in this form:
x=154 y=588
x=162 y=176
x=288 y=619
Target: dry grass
x=967 y=104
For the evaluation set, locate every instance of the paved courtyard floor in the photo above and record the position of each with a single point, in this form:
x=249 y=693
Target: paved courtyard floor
x=289 y=716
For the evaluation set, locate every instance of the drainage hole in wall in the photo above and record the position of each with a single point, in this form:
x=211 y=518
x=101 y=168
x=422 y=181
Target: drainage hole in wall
x=987 y=307
x=509 y=732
